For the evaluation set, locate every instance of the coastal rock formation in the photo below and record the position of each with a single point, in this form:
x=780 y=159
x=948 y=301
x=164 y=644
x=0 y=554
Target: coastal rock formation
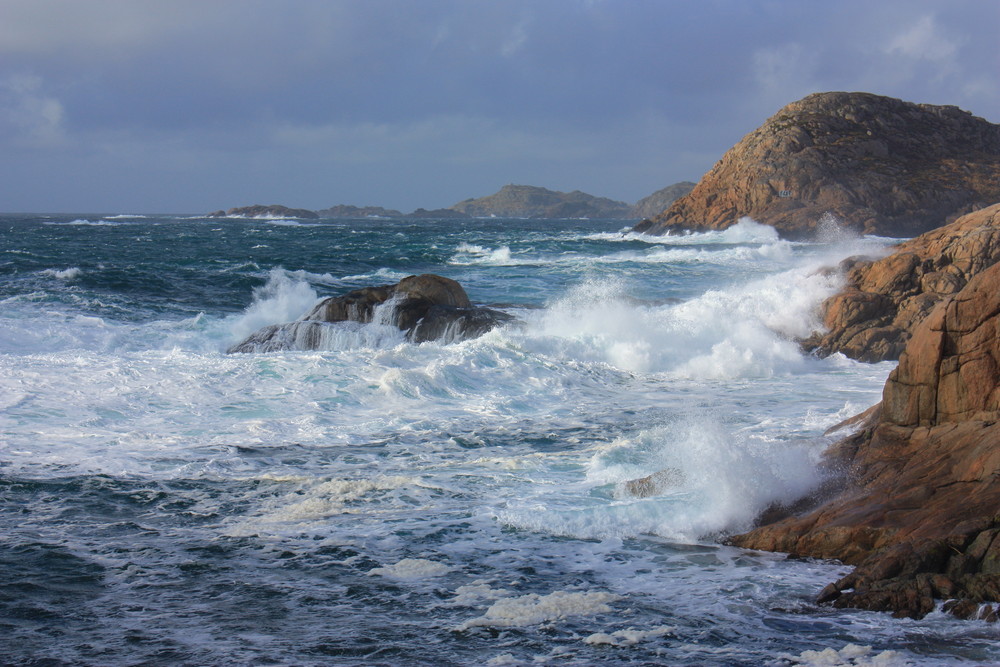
x=347 y=211
x=659 y=201
x=258 y=211
x=884 y=299
x=881 y=165
x=527 y=201
x=919 y=512
x=427 y=307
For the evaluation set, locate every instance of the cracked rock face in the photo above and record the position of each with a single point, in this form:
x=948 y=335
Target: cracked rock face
x=920 y=511
x=872 y=318
x=880 y=165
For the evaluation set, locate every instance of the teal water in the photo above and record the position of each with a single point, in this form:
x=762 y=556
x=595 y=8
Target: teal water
x=382 y=502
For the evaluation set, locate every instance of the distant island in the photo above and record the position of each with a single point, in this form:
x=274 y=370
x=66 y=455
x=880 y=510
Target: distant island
x=511 y=201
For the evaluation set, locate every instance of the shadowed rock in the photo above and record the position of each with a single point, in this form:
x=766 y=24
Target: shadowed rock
x=426 y=307
x=919 y=513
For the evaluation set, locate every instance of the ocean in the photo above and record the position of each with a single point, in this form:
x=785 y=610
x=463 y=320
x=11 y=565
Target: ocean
x=445 y=503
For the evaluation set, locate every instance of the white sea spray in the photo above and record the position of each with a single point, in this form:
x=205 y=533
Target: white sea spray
x=534 y=609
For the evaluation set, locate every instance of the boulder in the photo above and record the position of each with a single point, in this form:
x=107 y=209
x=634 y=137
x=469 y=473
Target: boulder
x=872 y=317
x=880 y=165
x=427 y=307
x=918 y=511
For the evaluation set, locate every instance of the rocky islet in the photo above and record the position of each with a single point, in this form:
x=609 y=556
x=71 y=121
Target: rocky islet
x=426 y=307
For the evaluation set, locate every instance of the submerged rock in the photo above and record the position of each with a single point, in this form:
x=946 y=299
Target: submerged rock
x=653 y=485
x=425 y=307
x=919 y=510
x=884 y=299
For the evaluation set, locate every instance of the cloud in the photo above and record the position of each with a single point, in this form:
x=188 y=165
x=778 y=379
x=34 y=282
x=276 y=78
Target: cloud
x=923 y=40
x=786 y=69
x=28 y=115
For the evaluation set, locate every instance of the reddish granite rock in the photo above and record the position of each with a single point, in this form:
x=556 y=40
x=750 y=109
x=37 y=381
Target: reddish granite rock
x=884 y=299
x=878 y=164
x=919 y=514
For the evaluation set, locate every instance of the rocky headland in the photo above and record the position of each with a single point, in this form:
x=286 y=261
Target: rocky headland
x=426 y=307
x=879 y=165
x=916 y=500
x=872 y=317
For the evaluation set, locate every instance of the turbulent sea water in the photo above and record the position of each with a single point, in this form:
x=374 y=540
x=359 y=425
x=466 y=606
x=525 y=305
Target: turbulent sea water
x=387 y=503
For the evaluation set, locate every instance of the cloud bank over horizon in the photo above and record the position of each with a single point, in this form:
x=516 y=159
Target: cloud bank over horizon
x=114 y=105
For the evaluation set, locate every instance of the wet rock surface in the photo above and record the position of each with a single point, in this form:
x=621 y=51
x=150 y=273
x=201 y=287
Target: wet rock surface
x=919 y=510
x=426 y=307
x=883 y=300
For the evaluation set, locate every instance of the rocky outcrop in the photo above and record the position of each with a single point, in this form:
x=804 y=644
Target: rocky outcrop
x=884 y=299
x=527 y=201
x=919 y=512
x=437 y=214
x=426 y=307
x=880 y=165
x=258 y=211
x=354 y=212
x=660 y=201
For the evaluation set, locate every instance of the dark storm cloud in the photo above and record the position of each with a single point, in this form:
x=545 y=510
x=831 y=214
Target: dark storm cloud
x=194 y=105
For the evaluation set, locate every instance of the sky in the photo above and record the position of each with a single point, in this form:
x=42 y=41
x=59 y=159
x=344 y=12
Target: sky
x=188 y=106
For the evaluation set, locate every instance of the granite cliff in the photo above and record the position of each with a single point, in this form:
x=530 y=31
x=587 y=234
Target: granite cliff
x=918 y=508
x=872 y=318
x=879 y=165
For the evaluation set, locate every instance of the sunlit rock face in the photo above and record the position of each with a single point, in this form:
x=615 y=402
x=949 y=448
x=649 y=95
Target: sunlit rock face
x=918 y=510
x=879 y=165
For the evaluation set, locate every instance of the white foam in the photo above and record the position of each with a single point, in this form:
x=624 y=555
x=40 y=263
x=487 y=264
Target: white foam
x=533 y=609
x=744 y=331
x=472 y=255
x=282 y=299
x=851 y=655
x=412 y=568
x=628 y=636
x=476 y=593
x=72 y=273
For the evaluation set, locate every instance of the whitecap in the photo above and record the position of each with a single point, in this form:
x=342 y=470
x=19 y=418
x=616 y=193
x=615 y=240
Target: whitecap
x=71 y=273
